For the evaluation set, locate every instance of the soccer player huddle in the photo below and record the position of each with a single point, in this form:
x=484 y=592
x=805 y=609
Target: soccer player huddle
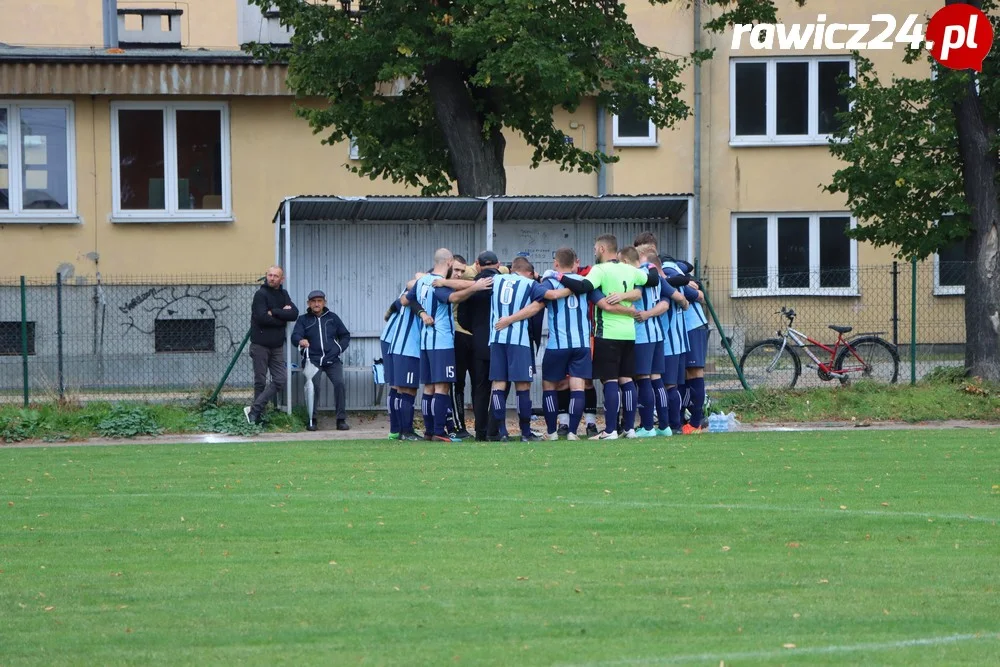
x=632 y=321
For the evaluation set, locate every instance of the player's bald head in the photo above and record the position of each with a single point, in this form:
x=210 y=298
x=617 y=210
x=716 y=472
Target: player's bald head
x=442 y=256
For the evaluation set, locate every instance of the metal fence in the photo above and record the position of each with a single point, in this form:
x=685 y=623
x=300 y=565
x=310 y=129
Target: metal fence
x=172 y=338
x=918 y=307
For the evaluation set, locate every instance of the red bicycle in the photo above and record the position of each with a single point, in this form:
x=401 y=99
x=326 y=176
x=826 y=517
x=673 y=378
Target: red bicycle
x=774 y=363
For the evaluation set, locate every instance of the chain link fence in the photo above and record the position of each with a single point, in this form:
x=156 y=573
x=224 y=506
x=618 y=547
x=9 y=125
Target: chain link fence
x=151 y=338
x=917 y=307
x=172 y=338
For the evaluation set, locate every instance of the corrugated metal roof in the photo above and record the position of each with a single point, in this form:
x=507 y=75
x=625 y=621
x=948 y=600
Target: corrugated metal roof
x=83 y=71
x=316 y=208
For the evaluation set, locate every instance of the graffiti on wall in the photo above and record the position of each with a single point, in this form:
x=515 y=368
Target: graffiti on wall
x=182 y=318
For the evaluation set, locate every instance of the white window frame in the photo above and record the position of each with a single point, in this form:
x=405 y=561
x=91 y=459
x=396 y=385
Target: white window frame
x=352 y=150
x=649 y=140
x=16 y=213
x=772 y=289
x=172 y=213
x=772 y=138
x=944 y=290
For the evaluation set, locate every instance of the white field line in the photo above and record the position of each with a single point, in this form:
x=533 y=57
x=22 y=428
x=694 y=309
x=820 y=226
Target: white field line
x=291 y=489
x=790 y=653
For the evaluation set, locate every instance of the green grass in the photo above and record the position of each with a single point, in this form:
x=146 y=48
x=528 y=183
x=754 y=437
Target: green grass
x=56 y=422
x=864 y=402
x=696 y=550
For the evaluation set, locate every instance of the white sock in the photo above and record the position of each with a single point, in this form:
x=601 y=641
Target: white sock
x=563 y=418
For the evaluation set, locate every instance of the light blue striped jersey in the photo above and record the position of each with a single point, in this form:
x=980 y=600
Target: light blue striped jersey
x=389 y=330
x=694 y=316
x=511 y=293
x=569 y=324
x=650 y=331
x=404 y=328
x=675 y=337
x=434 y=300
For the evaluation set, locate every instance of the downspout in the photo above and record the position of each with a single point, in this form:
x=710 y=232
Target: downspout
x=694 y=228
x=110 y=13
x=602 y=145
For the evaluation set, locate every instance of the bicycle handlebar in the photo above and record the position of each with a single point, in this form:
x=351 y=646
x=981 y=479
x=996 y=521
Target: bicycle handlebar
x=787 y=312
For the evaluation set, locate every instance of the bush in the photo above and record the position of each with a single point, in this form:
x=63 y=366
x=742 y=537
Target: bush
x=128 y=421
x=945 y=375
x=227 y=419
x=21 y=425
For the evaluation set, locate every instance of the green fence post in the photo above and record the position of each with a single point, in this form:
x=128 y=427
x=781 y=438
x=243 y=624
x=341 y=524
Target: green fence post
x=722 y=333
x=229 y=369
x=59 y=335
x=24 y=339
x=913 y=321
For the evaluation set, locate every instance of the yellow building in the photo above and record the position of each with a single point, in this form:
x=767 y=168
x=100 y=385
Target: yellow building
x=168 y=156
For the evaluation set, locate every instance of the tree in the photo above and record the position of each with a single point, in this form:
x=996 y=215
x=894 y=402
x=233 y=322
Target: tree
x=426 y=87
x=923 y=173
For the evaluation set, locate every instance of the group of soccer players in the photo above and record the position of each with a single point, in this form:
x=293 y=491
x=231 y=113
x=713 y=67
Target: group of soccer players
x=633 y=321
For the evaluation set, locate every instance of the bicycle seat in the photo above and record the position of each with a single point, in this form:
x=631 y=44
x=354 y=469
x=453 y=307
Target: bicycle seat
x=841 y=330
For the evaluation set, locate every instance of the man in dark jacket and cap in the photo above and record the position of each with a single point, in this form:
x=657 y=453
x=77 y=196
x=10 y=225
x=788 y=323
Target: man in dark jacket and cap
x=474 y=316
x=270 y=314
x=323 y=337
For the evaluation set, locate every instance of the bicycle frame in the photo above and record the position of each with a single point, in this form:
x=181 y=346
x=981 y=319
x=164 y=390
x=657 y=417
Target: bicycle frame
x=802 y=340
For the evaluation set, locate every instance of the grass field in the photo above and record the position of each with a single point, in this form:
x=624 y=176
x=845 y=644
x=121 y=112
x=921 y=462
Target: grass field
x=803 y=548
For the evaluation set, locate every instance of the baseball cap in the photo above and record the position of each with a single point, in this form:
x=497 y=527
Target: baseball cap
x=487 y=258
x=315 y=294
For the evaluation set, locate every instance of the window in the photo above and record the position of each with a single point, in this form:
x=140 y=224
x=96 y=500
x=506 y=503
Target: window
x=37 y=160
x=786 y=100
x=632 y=128
x=185 y=335
x=170 y=162
x=794 y=253
x=949 y=270
x=352 y=151
x=10 y=338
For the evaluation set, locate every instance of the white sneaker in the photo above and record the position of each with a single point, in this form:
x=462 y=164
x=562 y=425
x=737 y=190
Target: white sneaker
x=630 y=433
x=604 y=435
x=572 y=436
x=551 y=436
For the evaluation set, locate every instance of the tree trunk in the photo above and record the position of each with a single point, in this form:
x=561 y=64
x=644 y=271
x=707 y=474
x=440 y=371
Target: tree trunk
x=476 y=161
x=982 y=247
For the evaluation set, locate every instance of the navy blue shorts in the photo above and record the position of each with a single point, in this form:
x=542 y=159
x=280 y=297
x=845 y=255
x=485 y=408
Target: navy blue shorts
x=437 y=366
x=574 y=362
x=511 y=363
x=387 y=363
x=405 y=371
x=698 y=341
x=673 y=369
x=649 y=358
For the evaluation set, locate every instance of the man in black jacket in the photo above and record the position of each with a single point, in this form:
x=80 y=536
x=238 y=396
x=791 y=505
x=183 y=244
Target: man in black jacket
x=270 y=314
x=474 y=316
x=324 y=337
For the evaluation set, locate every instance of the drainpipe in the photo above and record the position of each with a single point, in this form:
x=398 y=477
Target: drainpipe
x=110 y=10
x=602 y=145
x=695 y=218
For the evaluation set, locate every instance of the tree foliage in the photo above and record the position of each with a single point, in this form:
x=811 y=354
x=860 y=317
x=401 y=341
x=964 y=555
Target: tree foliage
x=904 y=177
x=426 y=87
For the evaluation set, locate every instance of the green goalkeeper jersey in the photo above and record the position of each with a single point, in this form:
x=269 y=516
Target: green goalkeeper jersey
x=615 y=278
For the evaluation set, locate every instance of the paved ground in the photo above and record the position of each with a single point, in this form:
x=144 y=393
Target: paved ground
x=370 y=427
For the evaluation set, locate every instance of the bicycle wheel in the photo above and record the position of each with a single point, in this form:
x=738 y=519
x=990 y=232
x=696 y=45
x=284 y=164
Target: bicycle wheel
x=770 y=365
x=869 y=358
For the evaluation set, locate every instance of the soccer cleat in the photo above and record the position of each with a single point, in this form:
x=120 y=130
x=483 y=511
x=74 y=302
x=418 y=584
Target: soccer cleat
x=631 y=433
x=677 y=431
x=663 y=432
x=410 y=437
x=604 y=435
x=531 y=437
x=444 y=438
x=572 y=436
x=644 y=433
x=690 y=430
x=463 y=434
x=551 y=436
x=563 y=430
x=591 y=430
x=393 y=436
